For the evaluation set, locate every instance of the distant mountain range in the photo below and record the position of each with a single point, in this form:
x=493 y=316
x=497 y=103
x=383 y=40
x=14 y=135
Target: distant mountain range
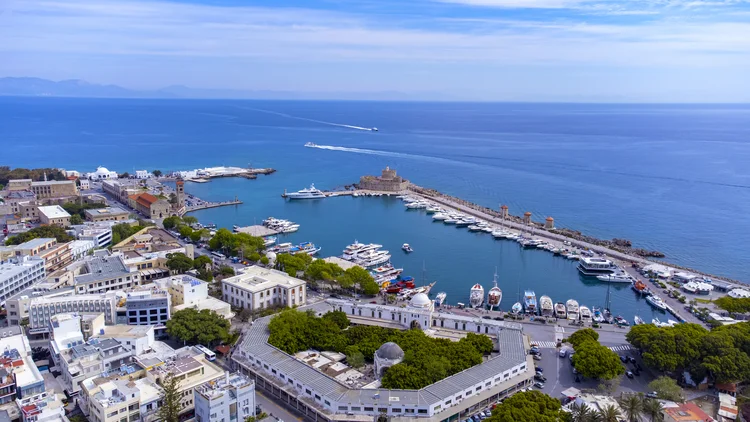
x=38 y=87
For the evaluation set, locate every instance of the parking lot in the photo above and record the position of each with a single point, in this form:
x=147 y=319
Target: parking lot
x=559 y=374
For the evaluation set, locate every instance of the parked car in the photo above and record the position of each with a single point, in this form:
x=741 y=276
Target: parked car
x=629 y=374
x=624 y=359
x=539 y=385
x=540 y=370
x=537 y=357
x=631 y=359
x=563 y=352
x=652 y=395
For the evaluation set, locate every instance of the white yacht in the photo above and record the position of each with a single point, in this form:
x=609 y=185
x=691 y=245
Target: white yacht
x=545 y=303
x=407 y=248
x=432 y=209
x=439 y=216
x=309 y=193
x=450 y=220
x=585 y=313
x=371 y=258
x=573 y=309
x=476 y=297
x=594 y=266
x=656 y=302
x=351 y=251
x=440 y=298
x=618 y=277
x=560 y=311
x=311 y=144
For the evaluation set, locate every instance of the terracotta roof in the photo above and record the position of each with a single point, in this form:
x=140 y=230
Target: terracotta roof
x=550 y=219
x=687 y=412
x=727 y=387
x=224 y=350
x=144 y=199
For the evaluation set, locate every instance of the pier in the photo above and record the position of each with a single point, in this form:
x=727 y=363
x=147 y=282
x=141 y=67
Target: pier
x=205 y=174
x=257 y=230
x=207 y=205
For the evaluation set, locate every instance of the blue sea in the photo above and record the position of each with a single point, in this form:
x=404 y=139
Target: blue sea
x=674 y=178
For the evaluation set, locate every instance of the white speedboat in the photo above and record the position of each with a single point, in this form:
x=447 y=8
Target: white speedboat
x=619 y=277
x=439 y=216
x=516 y=308
x=407 y=248
x=431 y=209
x=529 y=302
x=545 y=303
x=638 y=321
x=476 y=296
x=572 y=307
x=310 y=145
x=440 y=298
x=309 y=193
x=560 y=311
x=656 y=302
x=290 y=228
x=598 y=316
x=269 y=240
x=474 y=228
x=585 y=313
x=450 y=220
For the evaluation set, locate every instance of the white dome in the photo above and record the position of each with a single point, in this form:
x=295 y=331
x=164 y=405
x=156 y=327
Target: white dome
x=271 y=256
x=102 y=170
x=420 y=300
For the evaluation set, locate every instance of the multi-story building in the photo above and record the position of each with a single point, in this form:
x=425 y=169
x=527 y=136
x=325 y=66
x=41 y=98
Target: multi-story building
x=80 y=248
x=108 y=273
x=150 y=265
x=107 y=214
x=42 y=308
x=150 y=206
x=146 y=305
x=43 y=407
x=119 y=191
x=17 y=274
x=55 y=255
x=15 y=199
x=54 y=189
x=18 y=304
x=99 y=233
x=16 y=361
x=123 y=400
x=54 y=215
x=19 y=184
x=226 y=400
x=142 y=174
x=137 y=338
x=189 y=292
x=153 y=239
x=258 y=288
x=96 y=356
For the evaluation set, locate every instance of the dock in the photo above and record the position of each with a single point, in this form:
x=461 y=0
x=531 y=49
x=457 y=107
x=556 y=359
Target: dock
x=257 y=231
x=207 y=205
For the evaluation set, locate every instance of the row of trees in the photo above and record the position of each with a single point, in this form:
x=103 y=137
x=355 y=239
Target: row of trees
x=184 y=225
x=354 y=278
x=6 y=174
x=231 y=244
x=43 y=231
x=426 y=360
x=738 y=305
x=180 y=263
x=722 y=353
x=591 y=359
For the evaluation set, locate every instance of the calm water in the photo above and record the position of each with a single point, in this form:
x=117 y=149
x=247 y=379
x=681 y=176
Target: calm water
x=672 y=178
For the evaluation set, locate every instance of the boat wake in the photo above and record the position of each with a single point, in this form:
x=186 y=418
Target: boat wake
x=375 y=152
x=323 y=122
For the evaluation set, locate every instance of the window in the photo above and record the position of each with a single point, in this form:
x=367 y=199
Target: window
x=368 y=409
x=422 y=411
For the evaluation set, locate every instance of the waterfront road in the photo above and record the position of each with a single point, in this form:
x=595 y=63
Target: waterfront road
x=273 y=409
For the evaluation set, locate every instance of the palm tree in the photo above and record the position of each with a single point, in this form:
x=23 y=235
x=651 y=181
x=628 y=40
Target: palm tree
x=632 y=406
x=653 y=408
x=580 y=412
x=610 y=413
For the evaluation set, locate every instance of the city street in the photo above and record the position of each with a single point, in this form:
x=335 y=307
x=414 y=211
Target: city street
x=274 y=411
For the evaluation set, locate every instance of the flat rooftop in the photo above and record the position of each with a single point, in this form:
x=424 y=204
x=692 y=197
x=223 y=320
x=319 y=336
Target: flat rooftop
x=126 y=331
x=35 y=243
x=258 y=278
x=52 y=182
x=101 y=268
x=99 y=212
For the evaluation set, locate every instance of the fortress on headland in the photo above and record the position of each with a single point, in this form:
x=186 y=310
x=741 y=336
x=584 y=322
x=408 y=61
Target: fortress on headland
x=388 y=181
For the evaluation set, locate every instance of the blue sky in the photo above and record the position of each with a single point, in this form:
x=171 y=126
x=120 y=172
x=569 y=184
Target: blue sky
x=528 y=50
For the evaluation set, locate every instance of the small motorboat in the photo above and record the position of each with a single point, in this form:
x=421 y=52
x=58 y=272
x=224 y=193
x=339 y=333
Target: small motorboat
x=407 y=248
x=516 y=308
x=638 y=320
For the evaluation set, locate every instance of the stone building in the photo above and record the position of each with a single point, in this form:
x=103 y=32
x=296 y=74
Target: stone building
x=387 y=355
x=150 y=206
x=54 y=215
x=54 y=189
x=388 y=181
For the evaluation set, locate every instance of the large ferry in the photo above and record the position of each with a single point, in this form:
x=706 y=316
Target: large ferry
x=560 y=311
x=495 y=295
x=476 y=296
x=545 y=303
x=572 y=306
x=656 y=302
x=529 y=302
x=309 y=193
x=594 y=266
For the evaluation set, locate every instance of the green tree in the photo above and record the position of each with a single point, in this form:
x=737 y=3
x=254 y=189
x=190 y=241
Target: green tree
x=529 y=406
x=593 y=360
x=171 y=222
x=156 y=173
x=361 y=278
x=43 y=231
x=292 y=264
x=666 y=388
x=189 y=220
x=125 y=175
x=185 y=231
x=255 y=257
x=632 y=407
x=480 y=342
x=179 y=262
x=202 y=262
x=322 y=270
x=583 y=335
x=339 y=318
x=653 y=409
x=403 y=377
x=205 y=327
x=169 y=410
x=264 y=260
x=123 y=231
x=226 y=270
x=581 y=413
x=356 y=359
x=196 y=236
x=734 y=305
x=76 y=219
x=205 y=275
x=609 y=413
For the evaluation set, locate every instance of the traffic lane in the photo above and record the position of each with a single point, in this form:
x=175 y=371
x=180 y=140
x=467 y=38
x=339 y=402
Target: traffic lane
x=272 y=409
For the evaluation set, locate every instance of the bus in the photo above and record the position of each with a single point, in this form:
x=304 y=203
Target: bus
x=210 y=356
x=218 y=255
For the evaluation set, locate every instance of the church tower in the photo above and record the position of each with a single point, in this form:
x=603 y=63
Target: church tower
x=180 y=192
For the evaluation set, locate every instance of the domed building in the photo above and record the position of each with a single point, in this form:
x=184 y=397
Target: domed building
x=102 y=173
x=387 y=355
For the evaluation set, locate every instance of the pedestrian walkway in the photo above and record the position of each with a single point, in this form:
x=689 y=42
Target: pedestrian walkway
x=553 y=345
x=622 y=348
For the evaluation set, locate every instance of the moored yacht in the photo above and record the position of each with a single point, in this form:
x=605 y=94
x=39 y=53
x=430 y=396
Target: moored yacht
x=595 y=266
x=495 y=295
x=529 y=302
x=545 y=303
x=407 y=248
x=560 y=311
x=476 y=296
x=638 y=321
x=640 y=287
x=572 y=306
x=618 y=277
x=439 y=216
x=656 y=302
x=516 y=308
x=309 y=193
x=585 y=313
x=440 y=298
x=598 y=316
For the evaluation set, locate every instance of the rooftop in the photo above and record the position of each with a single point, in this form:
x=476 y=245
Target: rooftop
x=215 y=389
x=687 y=412
x=101 y=268
x=52 y=182
x=35 y=243
x=127 y=331
x=258 y=278
x=106 y=211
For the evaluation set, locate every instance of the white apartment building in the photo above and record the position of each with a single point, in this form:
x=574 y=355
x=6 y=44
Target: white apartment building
x=123 y=400
x=189 y=292
x=18 y=366
x=80 y=248
x=142 y=174
x=258 y=288
x=226 y=400
x=99 y=233
x=106 y=273
x=42 y=308
x=17 y=274
x=42 y=407
x=97 y=356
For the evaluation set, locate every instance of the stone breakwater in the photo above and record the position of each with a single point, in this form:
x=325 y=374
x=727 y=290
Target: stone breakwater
x=619 y=248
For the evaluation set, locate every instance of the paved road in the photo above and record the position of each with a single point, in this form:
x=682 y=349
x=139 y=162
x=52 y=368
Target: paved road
x=273 y=409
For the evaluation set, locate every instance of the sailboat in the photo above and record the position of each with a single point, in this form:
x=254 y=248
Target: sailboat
x=495 y=295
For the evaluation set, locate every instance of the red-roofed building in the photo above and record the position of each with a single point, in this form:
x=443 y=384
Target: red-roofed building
x=687 y=412
x=150 y=206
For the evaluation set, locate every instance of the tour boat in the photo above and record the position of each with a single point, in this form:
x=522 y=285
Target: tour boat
x=407 y=248
x=585 y=313
x=495 y=295
x=638 y=321
x=516 y=308
x=476 y=296
x=309 y=193
x=545 y=303
x=572 y=306
x=560 y=311
x=656 y=302
x=619 y=277
x=594 y=266
x=269 y=240
x=529 y=302
x=440 y=298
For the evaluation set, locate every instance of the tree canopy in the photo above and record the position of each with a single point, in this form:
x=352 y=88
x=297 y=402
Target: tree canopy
x=169 y=410
x=426 y=360
x=231 y=243
x=205 y=327
x=592 y=360
x=666 y=388
x=36 y=175
x=528 y=406
x=122 y=231
x=583 y=335
x=156 y=173
x=322 y=270
x=74 y=208
x=734 y=304
x=43 y=231
x=179 y=262
x=722 y=353
x=201 y=262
